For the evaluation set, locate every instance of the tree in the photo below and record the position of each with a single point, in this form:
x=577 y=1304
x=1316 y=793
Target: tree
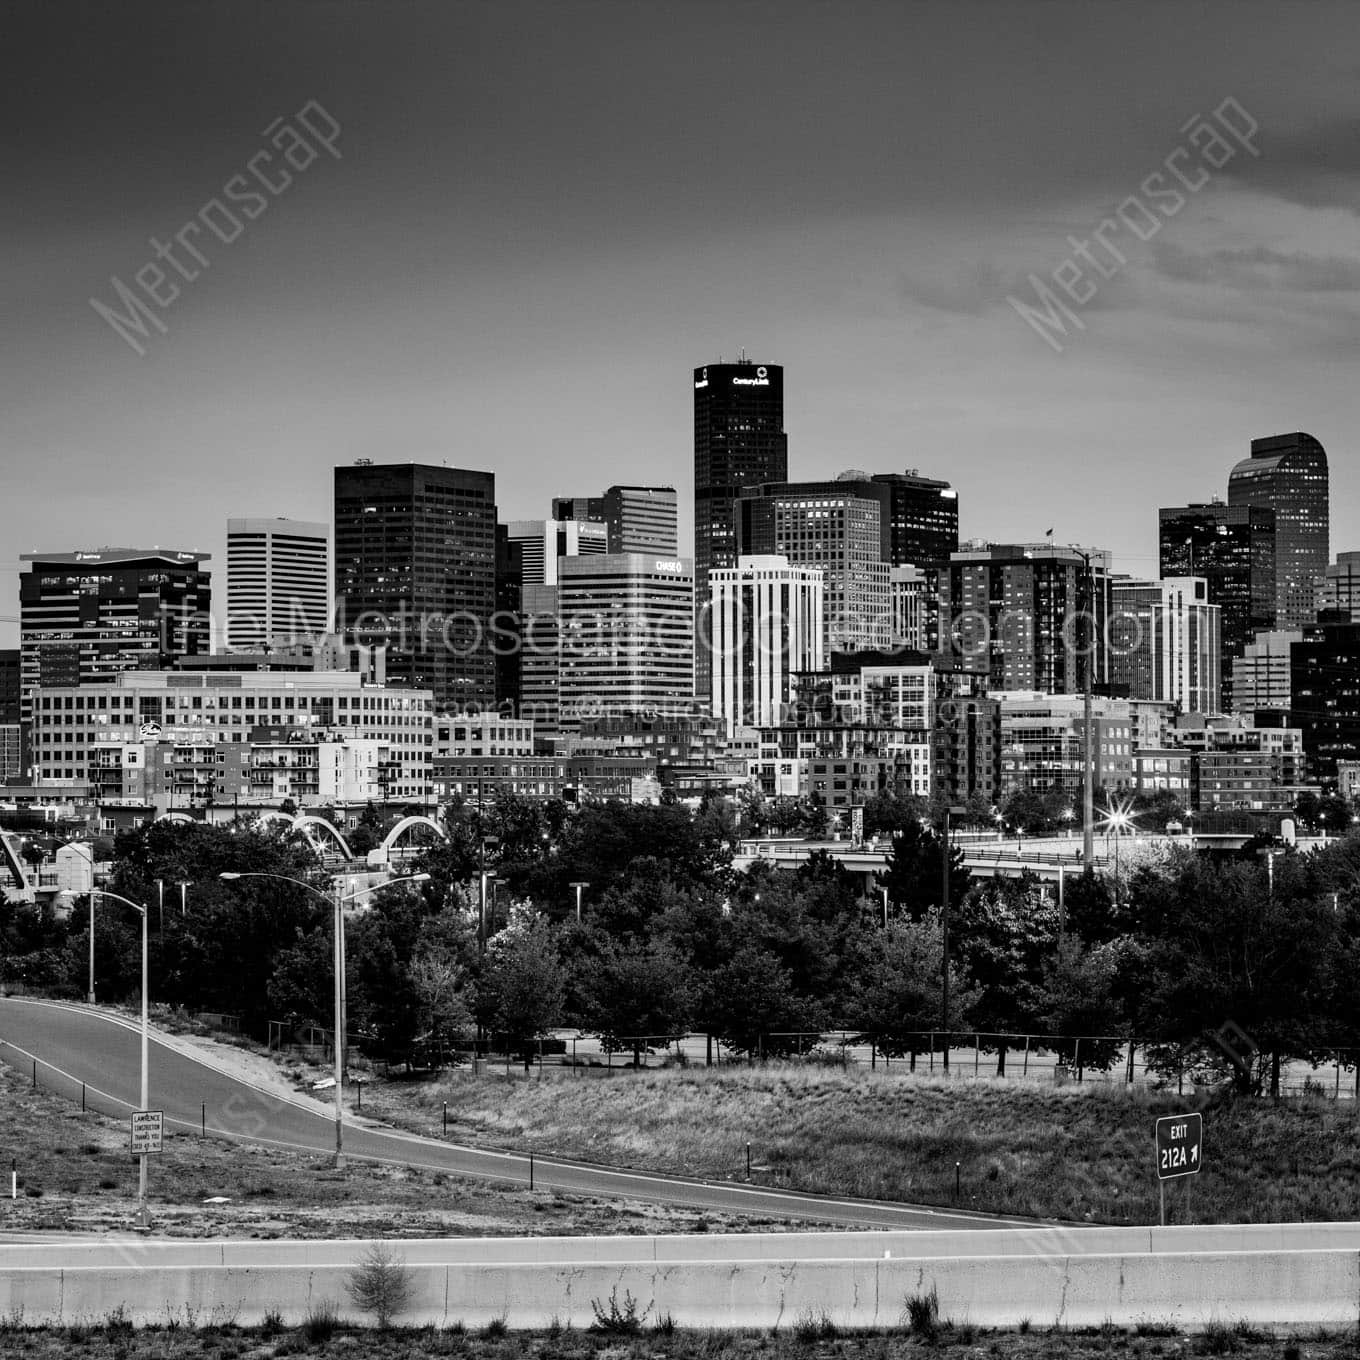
x=894 y=991
x=753 y=1007
x=634 y=991
x=1078 y=1000
x=914 y=876
x=524 y=987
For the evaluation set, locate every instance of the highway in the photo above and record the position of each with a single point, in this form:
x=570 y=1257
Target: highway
x=79 y=1045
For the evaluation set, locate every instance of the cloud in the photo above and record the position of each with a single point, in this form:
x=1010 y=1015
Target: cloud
x=1317 y=166
x=1259 y=269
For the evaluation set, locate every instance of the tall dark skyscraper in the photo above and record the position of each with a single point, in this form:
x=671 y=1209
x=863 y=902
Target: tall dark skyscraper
x=739 y=440
x=1288 y=474
x=415 y=567
x=1233 y=548
x=1324 y=678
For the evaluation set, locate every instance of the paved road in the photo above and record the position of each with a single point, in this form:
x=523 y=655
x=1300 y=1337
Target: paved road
x=77 y=1045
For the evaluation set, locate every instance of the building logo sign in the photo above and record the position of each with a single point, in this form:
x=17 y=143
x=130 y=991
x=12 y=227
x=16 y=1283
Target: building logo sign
x=703 y=379
x=670 y=566
x=760 y=380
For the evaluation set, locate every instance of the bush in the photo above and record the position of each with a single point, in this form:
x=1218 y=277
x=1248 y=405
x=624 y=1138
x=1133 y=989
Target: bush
x=812 y=1327
x=923 y=1315
x=320 y=1323
x=381 y=1284
x=616 y=1320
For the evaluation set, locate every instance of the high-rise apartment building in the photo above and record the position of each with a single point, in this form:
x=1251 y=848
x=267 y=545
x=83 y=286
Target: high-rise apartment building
x=278 y=583
x=626 y=636
x=1287 y=473
x=1166 y=643
x=766 y=628
x=86 y=617
x=1233 y=548
x=1027 y=615
x=829 y=526
x=739 y=440
x=10 y=689
x=415 y=567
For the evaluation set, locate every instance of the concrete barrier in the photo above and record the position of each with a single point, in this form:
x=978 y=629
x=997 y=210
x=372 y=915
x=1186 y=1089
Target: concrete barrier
x=1057 y=1241
x=1267 y=1288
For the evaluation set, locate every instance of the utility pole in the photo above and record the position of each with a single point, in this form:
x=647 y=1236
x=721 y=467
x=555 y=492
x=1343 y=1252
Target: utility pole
x=1088 y=756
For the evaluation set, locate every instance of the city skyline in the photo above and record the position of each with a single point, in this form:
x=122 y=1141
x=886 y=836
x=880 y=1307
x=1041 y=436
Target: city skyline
x=403 y=296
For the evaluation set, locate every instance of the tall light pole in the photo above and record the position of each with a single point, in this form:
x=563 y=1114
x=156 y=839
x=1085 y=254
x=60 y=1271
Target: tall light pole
x=90 y=997
x=1088 y=753
x=580 y=885
x=337 y=904
x=944 y=928
x=143 y=1217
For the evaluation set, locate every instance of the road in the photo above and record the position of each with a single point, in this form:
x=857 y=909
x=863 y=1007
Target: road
x=76 y=1045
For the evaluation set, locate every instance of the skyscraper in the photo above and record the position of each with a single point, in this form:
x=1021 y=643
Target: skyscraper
x=1233 y=548
x=923 y=518
x=1165 y=642
x=767 y=629
x=1338 y=589
x=840 y=528
x=278 y=582
x=543 y=541
x=739 y=440
x=1324 y=681
x=626 y=636
x=1287 y=473
x=415 y=566
x=85 y=617
x=642 y=519
x=1022 y=614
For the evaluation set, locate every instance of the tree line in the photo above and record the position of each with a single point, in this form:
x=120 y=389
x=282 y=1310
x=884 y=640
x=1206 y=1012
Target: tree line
x=1185 y=949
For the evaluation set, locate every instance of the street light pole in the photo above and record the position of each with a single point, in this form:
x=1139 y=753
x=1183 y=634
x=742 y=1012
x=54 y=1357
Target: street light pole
x=90 y=997
x=944 y=932
x=580 y=885
x=337 y=903
x=1088 y=756
x=143 y=1215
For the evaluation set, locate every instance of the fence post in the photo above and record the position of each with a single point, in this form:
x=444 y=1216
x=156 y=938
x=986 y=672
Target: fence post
x=35 y=1074
x=932 y=1050
x=203 y=1120
x=82 y=1097
x=1076 y=1056
x=1129 y=1081
x=977 y=1053
x=1024 y=1071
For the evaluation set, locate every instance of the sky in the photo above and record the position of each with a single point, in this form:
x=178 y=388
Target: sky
x=508 y=231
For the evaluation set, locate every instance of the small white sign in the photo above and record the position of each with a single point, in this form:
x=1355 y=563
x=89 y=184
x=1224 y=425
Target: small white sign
x=148 y=1128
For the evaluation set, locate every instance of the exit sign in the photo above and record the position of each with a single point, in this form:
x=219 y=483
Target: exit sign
x=1180 y=1143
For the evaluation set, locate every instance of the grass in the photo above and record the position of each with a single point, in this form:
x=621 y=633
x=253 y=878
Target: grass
x=75 y=1172
x=1075 y=1152
x=819 y=1337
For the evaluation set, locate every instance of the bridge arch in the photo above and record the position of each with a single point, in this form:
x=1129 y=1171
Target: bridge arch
x=406 y=824
x=305 y=824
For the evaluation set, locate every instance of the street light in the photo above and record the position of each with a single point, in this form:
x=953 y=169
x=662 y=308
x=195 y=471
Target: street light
x=944 y=928
x=1118 y=818
x=580 y=885
x=337 y=903
x=143 y=1217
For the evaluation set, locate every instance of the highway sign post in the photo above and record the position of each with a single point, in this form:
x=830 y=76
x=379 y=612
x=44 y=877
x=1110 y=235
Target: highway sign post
x=148 y=1131
x=1180 y=1144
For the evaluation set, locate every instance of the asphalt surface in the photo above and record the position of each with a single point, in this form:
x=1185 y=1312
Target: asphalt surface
x=75 y=1045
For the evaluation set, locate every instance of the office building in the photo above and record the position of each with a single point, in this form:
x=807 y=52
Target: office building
x=588 y=508
x=1165 y=642
x=739 y=440
x=1026 y=615
x=911 y=604
x=193 y=724
x=85 y=617
x=1325 y=693
x=626 y=640
x=1287 y=474
x=1337 y=590
x=278 y=583
x=766 y=627
x=1261 y=675
x=923 y=518
x=1233 y=548
x=642 y=519
x=542 y=542
x=831 y=527
x=415 y=567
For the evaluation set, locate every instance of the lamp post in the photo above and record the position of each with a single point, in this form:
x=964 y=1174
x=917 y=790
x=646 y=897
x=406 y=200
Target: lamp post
x=337 y=904
x=944 y=928
x=1118 y=819
x=143 y=1217
x=580 y=885
x=1088 y=753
